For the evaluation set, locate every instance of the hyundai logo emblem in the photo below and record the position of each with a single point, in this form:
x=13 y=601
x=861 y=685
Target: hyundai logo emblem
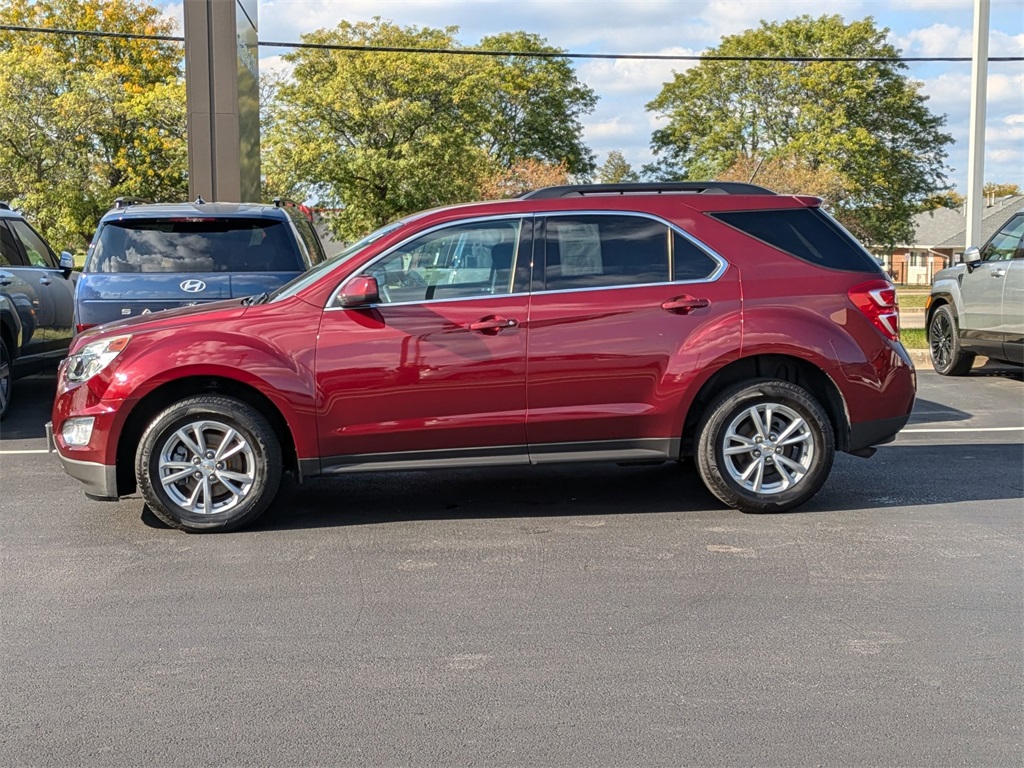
x=193 y=286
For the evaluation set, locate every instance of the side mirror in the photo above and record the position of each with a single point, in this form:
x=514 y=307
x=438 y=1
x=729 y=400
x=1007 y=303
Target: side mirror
x=67 y=263
x=360 y=291
x=971 y=257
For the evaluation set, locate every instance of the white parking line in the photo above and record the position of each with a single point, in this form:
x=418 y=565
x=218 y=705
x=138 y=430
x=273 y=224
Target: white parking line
x=962 y=429
x=16 y=453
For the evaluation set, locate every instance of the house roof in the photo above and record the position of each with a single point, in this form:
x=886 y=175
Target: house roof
x=947 y=227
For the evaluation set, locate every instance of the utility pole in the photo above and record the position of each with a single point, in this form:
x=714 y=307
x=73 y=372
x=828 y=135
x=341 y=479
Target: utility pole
x=976 y=141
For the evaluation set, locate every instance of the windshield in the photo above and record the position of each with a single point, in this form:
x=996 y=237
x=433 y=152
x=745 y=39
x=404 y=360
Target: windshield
x=310 y=277
x=195 y=245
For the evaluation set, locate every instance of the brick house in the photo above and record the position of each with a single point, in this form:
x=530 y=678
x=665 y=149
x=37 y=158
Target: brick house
x=940 y=237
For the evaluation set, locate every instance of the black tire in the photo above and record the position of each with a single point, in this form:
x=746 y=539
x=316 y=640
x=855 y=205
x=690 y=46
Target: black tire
x=6 y=378
x=230 y=491
x=729 y=424
x=948 y=357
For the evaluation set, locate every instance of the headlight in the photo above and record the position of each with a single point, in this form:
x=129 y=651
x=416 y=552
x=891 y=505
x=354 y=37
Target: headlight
x=94 y=357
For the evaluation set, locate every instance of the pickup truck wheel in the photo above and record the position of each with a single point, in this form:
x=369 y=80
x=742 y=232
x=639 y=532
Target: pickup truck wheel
x=765 y=446
x=6 y=378
x=209 y=463
x=948 y=357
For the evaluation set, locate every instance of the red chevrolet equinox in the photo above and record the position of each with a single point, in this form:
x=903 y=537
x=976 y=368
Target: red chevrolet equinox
x=623 y=323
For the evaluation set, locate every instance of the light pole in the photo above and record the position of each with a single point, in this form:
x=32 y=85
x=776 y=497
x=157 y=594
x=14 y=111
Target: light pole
x=976 y=139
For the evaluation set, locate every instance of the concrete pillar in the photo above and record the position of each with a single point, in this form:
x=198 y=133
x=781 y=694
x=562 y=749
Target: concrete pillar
x=222 y=87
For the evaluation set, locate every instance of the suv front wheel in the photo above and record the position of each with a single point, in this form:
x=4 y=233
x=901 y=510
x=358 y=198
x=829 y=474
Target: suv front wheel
x=948 y=357
x=765 y=446
x=209 y=463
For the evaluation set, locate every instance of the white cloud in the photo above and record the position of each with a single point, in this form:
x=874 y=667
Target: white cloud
x=607 y=76
x=936 y=40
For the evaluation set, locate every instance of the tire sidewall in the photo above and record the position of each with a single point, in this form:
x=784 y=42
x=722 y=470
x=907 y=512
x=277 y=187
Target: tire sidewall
x=943 y=312
x=249 y=423
x=711 y=457
x=959 y=361
x=5 y=355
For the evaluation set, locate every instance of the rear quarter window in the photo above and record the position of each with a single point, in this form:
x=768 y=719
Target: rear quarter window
x=195 y=245
x=809 y=234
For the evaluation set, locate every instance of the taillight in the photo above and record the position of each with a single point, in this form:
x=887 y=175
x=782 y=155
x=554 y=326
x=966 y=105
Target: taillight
x=79 y=327
x=877 y=300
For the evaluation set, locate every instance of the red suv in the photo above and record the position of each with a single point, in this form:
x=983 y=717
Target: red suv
x=625 y=323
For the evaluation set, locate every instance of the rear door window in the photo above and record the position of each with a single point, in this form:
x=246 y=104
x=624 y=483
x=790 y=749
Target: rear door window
x=195 y=245
x=599 y=251
x=809 y=234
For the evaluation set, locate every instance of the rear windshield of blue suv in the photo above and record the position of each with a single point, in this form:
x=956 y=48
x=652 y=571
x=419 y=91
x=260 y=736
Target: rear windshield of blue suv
x=195 y=245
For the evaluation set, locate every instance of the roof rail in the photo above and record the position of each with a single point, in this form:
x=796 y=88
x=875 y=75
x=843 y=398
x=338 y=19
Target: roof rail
x=657 y=188
x=124 y=202
x=280 y=202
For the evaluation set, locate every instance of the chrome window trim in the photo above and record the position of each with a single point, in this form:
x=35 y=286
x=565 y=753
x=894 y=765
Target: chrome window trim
x=716 y=274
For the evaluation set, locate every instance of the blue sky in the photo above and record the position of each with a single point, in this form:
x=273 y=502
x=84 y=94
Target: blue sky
x=687 y=27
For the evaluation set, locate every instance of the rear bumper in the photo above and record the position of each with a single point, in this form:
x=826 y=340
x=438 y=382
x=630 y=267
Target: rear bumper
x=100 y=480
x=877 y=432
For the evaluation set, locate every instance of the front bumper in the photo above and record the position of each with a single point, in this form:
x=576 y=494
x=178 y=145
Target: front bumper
x=100 y=480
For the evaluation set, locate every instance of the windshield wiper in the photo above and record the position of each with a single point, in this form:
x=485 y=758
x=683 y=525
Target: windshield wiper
x=257 y=299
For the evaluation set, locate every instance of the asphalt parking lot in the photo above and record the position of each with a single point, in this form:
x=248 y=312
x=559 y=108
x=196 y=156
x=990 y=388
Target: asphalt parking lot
x=592 y=615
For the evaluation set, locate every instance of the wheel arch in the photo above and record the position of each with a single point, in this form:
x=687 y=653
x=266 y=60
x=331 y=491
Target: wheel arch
x=10 y=328
x=941 y=299
x=172 y=391
x=771 y=366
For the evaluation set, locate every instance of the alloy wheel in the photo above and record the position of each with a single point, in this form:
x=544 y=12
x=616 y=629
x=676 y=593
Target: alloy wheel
x=207 y=467
x=768 y=448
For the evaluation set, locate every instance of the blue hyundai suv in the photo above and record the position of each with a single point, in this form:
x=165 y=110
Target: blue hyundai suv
x=146 y=257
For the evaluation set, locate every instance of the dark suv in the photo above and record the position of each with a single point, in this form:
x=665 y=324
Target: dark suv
x=36 y=301
x=625 y=323
x=149 y=257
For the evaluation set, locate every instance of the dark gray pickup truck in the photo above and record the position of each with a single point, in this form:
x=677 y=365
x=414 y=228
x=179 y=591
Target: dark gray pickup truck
x=37 y=300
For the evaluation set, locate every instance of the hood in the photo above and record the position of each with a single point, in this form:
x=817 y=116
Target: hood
x=949 y=273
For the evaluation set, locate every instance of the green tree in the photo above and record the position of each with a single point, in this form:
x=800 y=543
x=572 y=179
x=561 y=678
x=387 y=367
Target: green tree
x=85 y=119
x=616 y=170
x=379 y=135
x=1000 y=190
x=532 y=105
x=863 y=121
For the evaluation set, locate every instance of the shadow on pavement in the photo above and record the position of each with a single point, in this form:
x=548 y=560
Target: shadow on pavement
x=31 y=402
x=898 y=476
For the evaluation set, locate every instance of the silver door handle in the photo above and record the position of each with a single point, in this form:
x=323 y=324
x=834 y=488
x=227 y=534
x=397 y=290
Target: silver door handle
x=998 y=273
x=44 y=281
x=5 y=279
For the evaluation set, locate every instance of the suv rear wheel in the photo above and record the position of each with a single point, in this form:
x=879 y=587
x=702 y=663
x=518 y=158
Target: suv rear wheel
x=948 y=357
x=209 y=463
x=765 y=446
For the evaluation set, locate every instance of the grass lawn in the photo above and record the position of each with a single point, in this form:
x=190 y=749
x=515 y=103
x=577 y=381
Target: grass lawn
x=915 y=300
x=913 y=338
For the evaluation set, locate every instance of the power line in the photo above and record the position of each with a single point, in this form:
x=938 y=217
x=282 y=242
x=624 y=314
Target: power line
x=525 y=54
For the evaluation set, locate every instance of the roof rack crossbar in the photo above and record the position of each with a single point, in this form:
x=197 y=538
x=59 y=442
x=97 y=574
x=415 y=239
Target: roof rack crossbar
x=659 y=188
